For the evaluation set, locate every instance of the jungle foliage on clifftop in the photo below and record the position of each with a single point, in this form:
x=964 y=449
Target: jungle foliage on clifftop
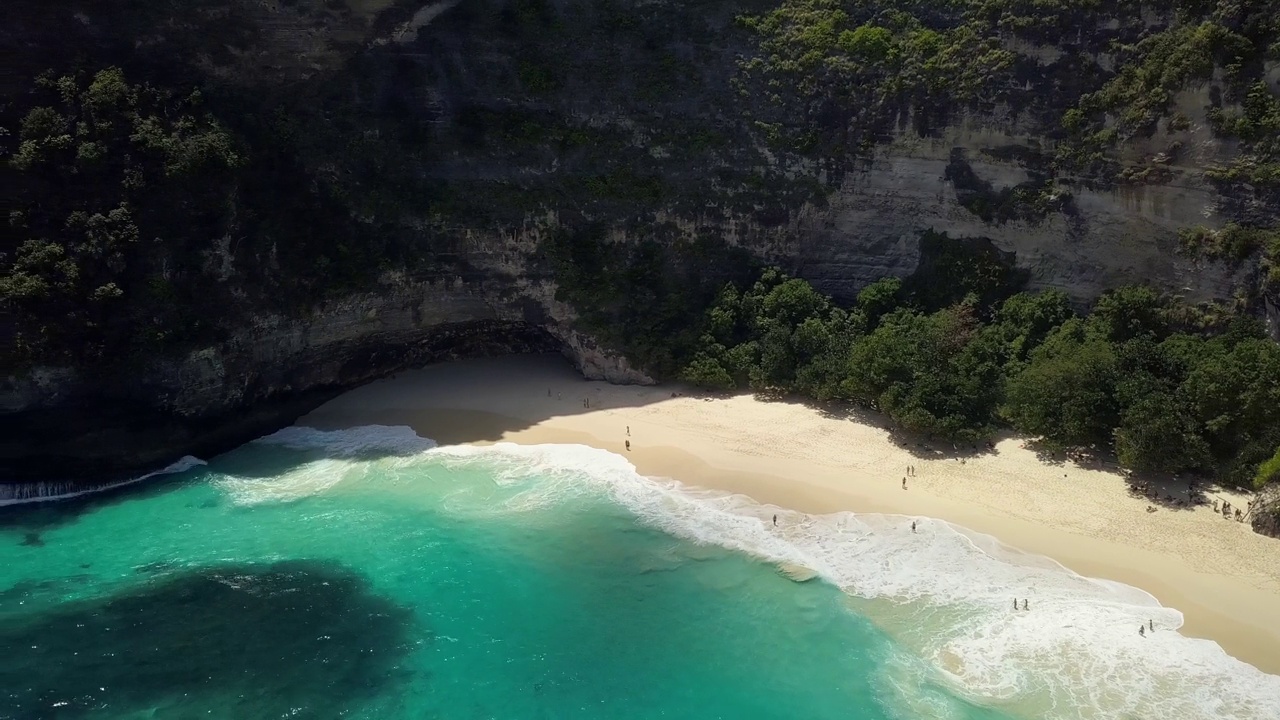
x=134 y=205
x=109 y=176
x=834 y=77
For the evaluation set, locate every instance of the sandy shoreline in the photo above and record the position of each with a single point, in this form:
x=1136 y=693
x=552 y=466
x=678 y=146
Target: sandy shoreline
x=1224 y=578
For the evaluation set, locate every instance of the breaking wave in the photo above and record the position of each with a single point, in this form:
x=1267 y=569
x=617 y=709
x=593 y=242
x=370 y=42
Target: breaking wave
x=1075 y=653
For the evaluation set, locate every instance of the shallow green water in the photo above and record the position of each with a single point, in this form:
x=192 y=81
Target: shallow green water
x=342 y=578
x=411 y=590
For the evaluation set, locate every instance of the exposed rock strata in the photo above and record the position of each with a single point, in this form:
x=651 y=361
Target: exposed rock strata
x=62 y=422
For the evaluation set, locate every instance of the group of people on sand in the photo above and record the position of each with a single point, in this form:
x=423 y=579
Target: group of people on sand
x=911 y=472
x=1026 y=604
x=1194 y=497
x=1149 y=490
x=1142 y=629
x=1226 y=511
x=586 y=402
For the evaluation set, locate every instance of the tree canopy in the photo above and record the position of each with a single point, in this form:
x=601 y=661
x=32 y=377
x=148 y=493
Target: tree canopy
x=1128 y=377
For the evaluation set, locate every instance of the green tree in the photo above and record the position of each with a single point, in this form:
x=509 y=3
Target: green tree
x=119 y=187
x=1235 y=397
x=1129 y=312
x=879 y=298
x=1157 y=433
x=1066 y=394
x=927 y=373
x=1024 y=320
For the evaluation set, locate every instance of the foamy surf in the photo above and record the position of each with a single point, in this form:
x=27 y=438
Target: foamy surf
x=1075 y=653
x=336 y=455
x=51 y=491
x=362 y=441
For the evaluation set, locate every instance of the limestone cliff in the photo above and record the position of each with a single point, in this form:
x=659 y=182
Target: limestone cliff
x=466 y=131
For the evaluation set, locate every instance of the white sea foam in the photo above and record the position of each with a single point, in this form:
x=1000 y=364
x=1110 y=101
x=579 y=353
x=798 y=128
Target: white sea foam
x=362 y=441
x=49 y=491
x=1075 y=653
x=337 y=455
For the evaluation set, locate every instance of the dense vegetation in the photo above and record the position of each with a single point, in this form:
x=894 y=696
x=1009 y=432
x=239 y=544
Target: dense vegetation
x=835 y=76
x=110 y=172
x=645 y=298
x=132 y=207
x=1133 y=376
x=1236 y=243
x=156 y=206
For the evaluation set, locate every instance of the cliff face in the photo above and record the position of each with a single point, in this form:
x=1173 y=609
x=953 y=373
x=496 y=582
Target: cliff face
x=1125 y=235
x=65 y=423
x=475 y=128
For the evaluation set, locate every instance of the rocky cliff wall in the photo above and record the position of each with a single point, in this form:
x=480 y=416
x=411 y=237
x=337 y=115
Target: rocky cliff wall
x=503 y=119
x=67 y=424
x=1101 y=239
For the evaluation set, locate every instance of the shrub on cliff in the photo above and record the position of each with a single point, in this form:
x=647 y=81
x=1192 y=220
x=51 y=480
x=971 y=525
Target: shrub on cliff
x=120 y=188
x=1268 y=471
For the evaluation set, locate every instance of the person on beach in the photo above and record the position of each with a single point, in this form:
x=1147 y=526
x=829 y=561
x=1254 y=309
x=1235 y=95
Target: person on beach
x=913 y=526
x=775 y=521
x=628 y=431
x=904 y=483
x=628 y=446
x=1152 y=624
x=1015 y=603
x=1142 y=631
x=1025 y=604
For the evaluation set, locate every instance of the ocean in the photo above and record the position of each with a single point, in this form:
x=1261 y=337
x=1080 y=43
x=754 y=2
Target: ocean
x=367 y=573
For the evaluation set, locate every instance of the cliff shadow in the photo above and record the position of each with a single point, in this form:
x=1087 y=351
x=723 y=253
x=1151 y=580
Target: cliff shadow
x=475 y=400
x=480 y=400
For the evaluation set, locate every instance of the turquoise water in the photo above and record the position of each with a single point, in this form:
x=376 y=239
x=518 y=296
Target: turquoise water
x=358 y=574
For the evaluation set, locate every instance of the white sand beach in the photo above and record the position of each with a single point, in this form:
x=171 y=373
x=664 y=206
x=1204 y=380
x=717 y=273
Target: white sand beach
x=1223 y=577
